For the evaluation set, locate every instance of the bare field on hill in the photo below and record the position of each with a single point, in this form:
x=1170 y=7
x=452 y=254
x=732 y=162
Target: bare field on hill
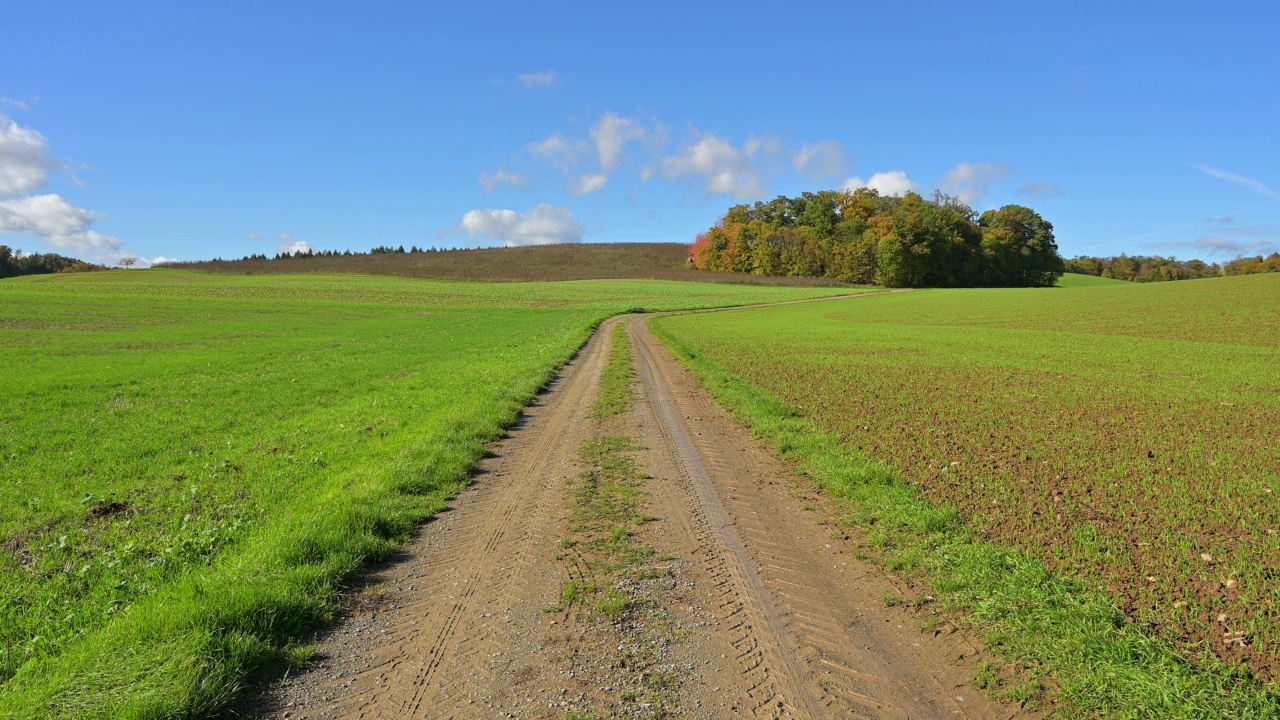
x=579 y=261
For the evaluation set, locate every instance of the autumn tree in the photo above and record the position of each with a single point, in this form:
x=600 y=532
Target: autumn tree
x=1019 y=248
x=864 y=237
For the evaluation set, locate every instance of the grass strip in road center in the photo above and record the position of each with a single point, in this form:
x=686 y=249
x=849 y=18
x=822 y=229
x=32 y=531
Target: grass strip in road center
x=617 y=381
x=613 y=572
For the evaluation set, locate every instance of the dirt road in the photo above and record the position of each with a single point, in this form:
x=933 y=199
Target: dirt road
x=751 y=604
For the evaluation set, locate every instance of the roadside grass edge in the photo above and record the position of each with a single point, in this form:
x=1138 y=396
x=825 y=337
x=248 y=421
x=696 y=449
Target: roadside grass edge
x=1058 y=639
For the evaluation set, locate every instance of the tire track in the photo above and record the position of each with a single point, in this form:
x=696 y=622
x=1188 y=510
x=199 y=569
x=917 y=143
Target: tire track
x=765 y=652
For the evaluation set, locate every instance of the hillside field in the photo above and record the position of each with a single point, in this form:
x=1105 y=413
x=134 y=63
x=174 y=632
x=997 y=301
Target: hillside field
x=1076 y=280
x=193 y=463
x=531 y=263
x=1121 y=433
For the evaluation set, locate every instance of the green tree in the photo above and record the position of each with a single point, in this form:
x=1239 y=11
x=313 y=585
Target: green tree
x=1019 y=248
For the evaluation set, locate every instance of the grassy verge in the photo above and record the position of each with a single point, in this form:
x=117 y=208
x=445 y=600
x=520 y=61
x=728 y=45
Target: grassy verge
x=1056 y=637
x=188 y=649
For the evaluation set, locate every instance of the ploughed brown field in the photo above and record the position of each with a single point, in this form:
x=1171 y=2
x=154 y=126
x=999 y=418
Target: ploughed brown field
x=580 y=261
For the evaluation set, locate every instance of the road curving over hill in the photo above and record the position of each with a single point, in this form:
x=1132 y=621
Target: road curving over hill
x=755 y=604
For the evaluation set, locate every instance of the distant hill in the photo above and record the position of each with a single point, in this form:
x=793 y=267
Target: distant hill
x=578 y=261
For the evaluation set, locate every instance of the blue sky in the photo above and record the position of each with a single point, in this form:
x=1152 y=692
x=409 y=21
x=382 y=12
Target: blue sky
x=165 y=130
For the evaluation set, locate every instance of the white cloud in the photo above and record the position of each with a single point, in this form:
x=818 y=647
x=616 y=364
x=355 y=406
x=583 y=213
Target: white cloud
x=612 y=133
x=24 y=159
x=89 y=244
x=25 y=165
x=14 y=102
x=537 y=79
x=894 y=183
x=559 y=151
x=289 y=245
x=725 y=167
x=542 y=225
x=588 y=184
x=969 y=182
x=1256 y=186
x=762 y=145
x=160 y=260
x=502 y=177
x=821 y=161
x=43 y=215
x=58 y=224
x=1214 y=245
x=727 y=170
x=609 y=139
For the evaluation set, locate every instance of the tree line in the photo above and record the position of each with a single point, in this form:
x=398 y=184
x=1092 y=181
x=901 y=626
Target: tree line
x=1252 y=265
x=313 y=253
x=14 y=262
x=867 y=238
x=1155 y=268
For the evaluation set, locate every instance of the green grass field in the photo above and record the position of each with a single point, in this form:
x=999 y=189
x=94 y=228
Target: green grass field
x=1075 y=280
x=194 y=463
x=1118 y=433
